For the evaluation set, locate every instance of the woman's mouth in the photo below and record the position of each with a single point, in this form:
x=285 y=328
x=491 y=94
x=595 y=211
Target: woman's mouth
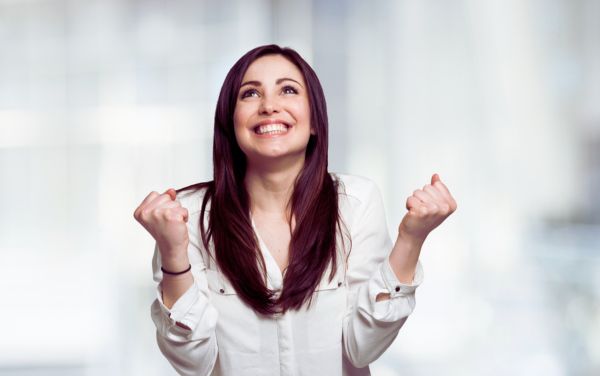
x=271 y=129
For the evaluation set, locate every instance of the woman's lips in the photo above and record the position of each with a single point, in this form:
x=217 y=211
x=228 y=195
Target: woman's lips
x=272 y=130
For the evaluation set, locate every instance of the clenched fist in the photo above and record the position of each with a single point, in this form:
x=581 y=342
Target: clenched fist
x=165 y=219
x=427 y=208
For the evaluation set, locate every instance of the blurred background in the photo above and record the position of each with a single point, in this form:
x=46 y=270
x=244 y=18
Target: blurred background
x=103 y=101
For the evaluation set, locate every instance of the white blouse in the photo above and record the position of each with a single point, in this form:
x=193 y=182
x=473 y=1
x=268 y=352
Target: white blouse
x=344 y=330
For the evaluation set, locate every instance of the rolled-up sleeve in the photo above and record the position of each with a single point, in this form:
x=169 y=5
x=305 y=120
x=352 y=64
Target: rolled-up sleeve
x=371 y=326
x=190 y=351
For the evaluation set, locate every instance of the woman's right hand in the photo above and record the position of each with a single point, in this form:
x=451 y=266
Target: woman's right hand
x=165 y=219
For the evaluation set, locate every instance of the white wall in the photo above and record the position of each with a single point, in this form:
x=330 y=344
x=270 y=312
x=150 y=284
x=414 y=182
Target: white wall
x=103 y=101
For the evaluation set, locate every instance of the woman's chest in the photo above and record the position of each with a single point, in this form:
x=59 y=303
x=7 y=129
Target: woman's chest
x=276 y=236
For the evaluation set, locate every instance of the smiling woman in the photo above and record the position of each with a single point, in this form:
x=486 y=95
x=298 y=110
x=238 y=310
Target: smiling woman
x=278 y=266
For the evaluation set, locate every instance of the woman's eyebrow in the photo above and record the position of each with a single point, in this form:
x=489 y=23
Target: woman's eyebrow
x=288 y=79
x=280 y=80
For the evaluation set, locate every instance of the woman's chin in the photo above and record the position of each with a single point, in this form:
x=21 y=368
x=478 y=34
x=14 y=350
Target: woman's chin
x=278 y=155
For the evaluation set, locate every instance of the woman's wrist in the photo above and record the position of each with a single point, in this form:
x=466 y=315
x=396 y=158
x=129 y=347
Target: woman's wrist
x=412 y=240
x=175 y=273
x=404 y=256
x=175 y=264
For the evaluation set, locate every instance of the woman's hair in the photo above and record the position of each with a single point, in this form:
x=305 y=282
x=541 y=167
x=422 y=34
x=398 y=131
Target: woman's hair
x=314 y=202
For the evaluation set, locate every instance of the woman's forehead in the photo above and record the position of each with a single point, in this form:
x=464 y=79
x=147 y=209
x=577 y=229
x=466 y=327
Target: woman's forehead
x=269 y=68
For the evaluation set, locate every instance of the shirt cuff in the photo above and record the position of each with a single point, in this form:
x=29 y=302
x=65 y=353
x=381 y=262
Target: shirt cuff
x=182 y=310
x=400 y=304
x=393 y=285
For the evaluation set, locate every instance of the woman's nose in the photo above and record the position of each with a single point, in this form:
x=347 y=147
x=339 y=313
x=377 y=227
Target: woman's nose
x=268 y=105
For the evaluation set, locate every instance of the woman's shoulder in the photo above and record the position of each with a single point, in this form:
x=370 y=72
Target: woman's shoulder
x=191 y=197
x=355 y=188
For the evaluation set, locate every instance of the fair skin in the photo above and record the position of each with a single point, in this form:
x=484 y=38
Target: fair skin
x=273 y=89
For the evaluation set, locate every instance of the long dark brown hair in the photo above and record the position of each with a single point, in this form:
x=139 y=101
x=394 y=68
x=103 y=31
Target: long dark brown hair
x=314 y=202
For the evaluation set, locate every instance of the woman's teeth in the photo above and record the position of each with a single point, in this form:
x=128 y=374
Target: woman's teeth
x=271 y=129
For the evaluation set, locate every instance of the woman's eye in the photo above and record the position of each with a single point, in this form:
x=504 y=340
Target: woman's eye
x=248 y=93
x=290 y=90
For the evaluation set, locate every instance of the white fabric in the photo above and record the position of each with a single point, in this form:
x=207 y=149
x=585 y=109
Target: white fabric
x=344 y=330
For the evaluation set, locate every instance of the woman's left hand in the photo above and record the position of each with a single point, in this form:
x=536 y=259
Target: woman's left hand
x=427 y=208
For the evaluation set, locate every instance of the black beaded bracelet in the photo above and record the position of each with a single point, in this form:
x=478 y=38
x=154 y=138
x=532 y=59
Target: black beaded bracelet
x=178 y=273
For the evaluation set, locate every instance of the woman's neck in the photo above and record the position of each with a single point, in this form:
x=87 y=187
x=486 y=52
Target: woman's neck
x=270 y=188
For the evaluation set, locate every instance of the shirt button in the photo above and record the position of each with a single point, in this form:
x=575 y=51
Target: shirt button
x=339 y=284
x=222 y=291
x=397 y=288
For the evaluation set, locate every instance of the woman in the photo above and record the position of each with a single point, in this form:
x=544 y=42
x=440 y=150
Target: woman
x=276 y=266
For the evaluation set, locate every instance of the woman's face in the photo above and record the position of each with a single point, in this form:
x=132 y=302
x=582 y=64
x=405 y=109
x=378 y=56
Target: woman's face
x=272 y=114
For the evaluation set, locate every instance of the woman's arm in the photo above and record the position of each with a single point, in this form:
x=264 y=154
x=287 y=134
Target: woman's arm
x=378 y=301
x=379 y=305
x=427 y=209
x=184 y=317
x=185 y=320
x=174 y=286
x=403 y=260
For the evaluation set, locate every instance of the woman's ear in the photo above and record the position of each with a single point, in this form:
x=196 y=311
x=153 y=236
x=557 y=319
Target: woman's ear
x=312 y=131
